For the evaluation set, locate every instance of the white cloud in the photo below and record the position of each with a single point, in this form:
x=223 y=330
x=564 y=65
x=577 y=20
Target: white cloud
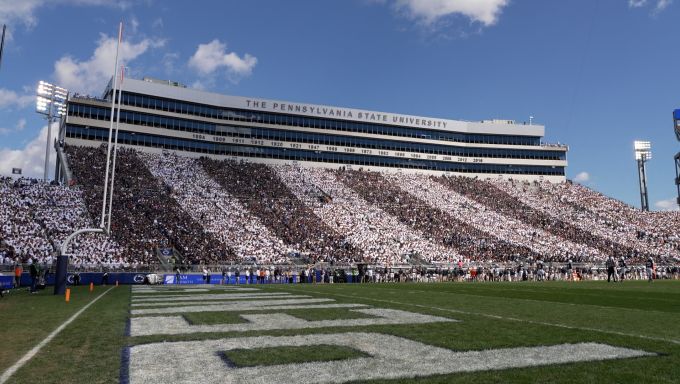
x=11 y=99
x=659 y=5
x=582 y=177
x=169 y=59
x=158 y=23
x=23 y=11
x=134 y=23
x=213 y=56
x=92 y=75
x=428 y=12
x=31 y=158
x=19 y=126
x=666 y=205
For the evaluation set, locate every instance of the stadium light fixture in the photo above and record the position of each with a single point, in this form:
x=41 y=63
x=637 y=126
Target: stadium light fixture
x=50 y=102
x=643 y=152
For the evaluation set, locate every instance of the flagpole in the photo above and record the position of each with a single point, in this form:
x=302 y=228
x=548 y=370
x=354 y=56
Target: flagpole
x=115 y=148
x=113 y=104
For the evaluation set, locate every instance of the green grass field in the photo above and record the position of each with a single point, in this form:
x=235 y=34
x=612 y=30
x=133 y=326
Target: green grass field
x=635 y=315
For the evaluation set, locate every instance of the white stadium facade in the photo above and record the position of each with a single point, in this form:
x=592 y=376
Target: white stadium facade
x=159 y=115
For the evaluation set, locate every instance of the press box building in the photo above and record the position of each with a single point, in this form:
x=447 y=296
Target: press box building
x=161 y=115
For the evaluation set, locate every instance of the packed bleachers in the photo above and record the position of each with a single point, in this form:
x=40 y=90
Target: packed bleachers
x=546 y=246
x=380 y=236
x=652 y=232
x=23 y=236
x=490 y=194
x=145 y=215
x=261 y=191
x=44 y=214
x=217 y=212
x=440 y=226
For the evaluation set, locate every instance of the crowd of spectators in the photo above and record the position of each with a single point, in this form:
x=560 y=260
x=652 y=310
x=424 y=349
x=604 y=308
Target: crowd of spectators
x=651 y=232
x=440 y=226
x=380 y=236
x=546 y=246
x=217 y=212
x=38 y=216
x=491 y=194
x=145 y=217
x=261 y=191
x=220 y=213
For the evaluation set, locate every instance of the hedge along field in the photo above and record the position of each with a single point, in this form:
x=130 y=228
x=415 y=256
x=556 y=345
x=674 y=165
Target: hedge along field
x=634 y=316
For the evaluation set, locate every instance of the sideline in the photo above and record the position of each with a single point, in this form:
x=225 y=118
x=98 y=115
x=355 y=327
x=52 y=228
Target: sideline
x=497 y=317
x=29 y=355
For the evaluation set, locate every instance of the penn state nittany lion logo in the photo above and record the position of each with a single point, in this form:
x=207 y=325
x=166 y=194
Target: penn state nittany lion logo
x=139 y=278
x=69 y=279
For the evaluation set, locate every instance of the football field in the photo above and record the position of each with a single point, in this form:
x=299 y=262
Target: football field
x=557 y=332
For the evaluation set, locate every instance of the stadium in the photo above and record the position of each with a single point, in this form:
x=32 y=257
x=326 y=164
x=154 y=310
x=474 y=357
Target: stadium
x=318 y=241
x=190 y=236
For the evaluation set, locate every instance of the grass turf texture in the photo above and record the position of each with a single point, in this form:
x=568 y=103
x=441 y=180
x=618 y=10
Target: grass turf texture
x=289 y=355
x=636 y=315
x=209 y=318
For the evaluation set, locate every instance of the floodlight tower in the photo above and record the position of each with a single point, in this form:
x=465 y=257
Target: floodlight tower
x=643 y=152
x=51 y=102
x=676 y=125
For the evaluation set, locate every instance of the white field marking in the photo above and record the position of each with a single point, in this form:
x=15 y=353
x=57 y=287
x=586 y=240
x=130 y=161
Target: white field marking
x=391 y=357
x=168 y=287
x=515 y=319
x=220 y=296
x=223 y=301
x=235 y=306
x=174 y=325
x=229 y=308
x=29 y=355
x=190 y=290
x=176 y=290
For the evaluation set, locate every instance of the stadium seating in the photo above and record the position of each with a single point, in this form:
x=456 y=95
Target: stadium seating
x=265 y=196
x=145 y=215
x=220 y=212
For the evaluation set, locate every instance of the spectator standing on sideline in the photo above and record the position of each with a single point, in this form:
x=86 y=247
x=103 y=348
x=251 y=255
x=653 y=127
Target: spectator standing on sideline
x=34 y=276
x=18 y=270
x=649 y=264
x=207 y=276
x=622 y=268
x=610 y=269
x=177 y=275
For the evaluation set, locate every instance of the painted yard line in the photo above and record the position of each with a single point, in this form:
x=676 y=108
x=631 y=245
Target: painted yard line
x=212 y=302
x=29 y=355
x=497 y=317
x=234 y=305
x=231 y=308
x=150 y=291
x=215 y=296
x=176 y=325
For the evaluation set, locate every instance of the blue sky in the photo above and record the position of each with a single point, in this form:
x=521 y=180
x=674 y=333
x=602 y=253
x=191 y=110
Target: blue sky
x=598 y=74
